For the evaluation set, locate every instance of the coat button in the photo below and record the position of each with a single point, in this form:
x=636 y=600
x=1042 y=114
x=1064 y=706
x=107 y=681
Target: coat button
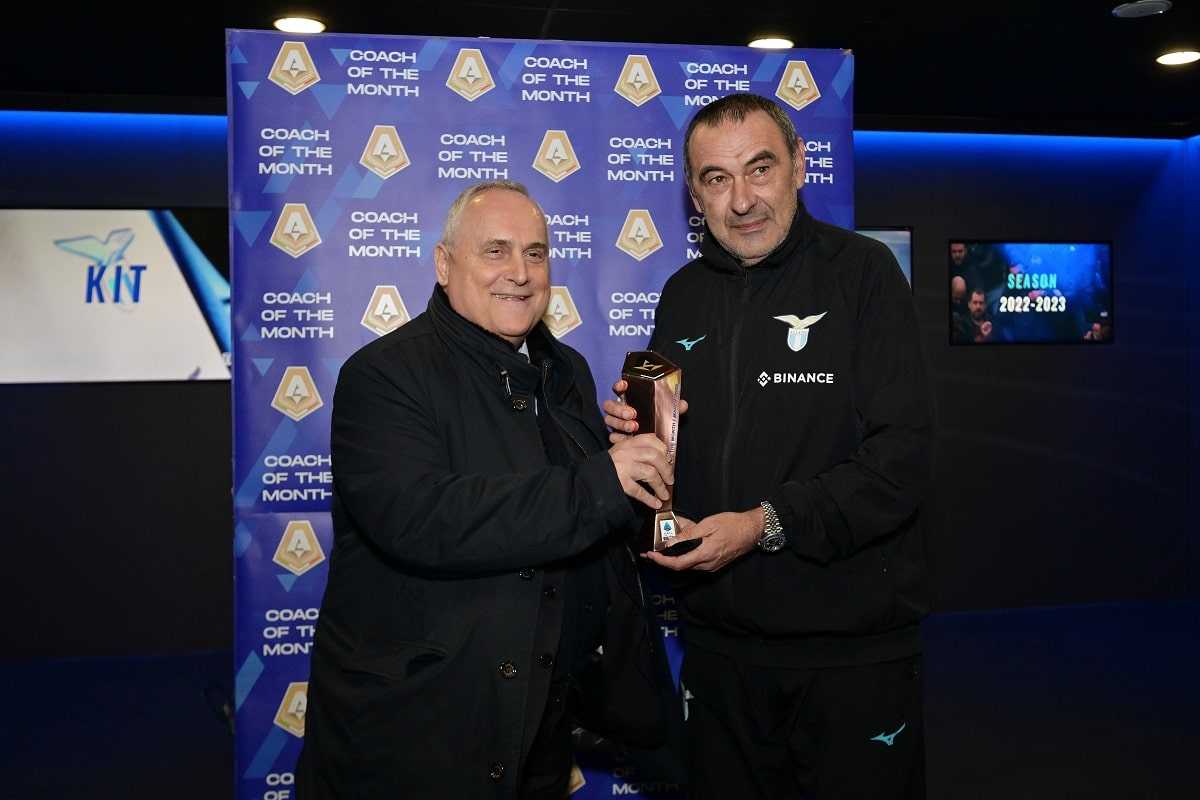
x=546 y=660
x=497 y=771
x=508 y=669
x=526 y=574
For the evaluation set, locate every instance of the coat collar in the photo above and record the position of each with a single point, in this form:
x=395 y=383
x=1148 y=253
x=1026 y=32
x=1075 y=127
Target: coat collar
x=493 y=354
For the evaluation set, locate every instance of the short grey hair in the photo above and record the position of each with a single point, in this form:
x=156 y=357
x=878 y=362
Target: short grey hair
x=735 y=108
x=454 y=215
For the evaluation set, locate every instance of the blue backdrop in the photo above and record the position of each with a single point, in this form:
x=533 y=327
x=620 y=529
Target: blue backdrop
x=344 y=153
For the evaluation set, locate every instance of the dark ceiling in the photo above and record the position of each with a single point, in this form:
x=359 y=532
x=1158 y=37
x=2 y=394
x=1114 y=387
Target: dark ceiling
x=1045 y=66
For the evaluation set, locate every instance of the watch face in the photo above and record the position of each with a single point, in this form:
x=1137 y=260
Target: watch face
x=772 y=542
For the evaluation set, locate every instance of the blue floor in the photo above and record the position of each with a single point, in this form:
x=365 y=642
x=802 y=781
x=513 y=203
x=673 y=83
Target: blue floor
x=1096 y=703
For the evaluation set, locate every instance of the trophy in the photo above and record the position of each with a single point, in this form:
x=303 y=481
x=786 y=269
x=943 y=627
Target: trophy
x=652 y=389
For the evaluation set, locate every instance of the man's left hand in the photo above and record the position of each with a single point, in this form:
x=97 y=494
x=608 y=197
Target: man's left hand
x=726 y=537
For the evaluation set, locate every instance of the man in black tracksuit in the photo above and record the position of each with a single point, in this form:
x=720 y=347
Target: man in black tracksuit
x=804 y=452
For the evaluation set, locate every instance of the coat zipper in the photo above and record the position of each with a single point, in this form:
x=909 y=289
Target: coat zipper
x=731 y=385
x=545 y=378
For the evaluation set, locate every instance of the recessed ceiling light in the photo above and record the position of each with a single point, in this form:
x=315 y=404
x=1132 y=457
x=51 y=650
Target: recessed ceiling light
x=1141 y=8
x=771 y=43
x=299 y=25
x=1177 y=57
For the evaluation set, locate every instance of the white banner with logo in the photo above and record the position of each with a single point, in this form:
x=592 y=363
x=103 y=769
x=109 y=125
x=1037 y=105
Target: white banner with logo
x=108 y=295
x=345 y=153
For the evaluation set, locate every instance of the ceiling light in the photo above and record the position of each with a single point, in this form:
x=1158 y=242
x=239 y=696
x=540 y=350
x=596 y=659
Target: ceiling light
x=1177 y=57
x=1141 y=8
x=299 y=25
x=771 y=43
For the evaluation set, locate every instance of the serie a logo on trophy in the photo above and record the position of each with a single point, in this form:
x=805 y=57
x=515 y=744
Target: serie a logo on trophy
x=652 y=389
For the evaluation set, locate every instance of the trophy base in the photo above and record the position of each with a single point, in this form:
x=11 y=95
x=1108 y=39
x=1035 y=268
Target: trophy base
x=663 y=532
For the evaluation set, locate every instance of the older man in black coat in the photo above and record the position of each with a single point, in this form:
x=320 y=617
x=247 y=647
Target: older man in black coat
x=481 y=596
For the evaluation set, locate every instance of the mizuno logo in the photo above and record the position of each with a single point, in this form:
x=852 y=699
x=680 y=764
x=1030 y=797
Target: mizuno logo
x=688 y=344
x=889 y=738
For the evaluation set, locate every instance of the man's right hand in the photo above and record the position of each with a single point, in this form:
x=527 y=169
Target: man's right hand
x=620 y=418
x=643 y=468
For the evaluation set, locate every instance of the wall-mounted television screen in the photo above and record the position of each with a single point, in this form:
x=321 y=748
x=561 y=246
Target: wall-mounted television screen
x=899 y=241
x=1014 y=292
x=96 y=295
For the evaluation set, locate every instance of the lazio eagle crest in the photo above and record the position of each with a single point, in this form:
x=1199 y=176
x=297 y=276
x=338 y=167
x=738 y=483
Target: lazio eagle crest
x=798 y=329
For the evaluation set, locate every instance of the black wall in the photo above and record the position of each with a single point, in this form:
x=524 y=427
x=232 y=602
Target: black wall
x=120 y=519
x=1063 y=473
x=116 y=496
x=1063 y=477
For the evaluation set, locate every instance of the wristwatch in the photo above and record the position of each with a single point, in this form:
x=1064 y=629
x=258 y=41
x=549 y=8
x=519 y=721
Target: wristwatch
x=773 y=538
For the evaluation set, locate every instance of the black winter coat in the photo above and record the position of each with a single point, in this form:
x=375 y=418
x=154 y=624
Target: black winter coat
x=449 y=522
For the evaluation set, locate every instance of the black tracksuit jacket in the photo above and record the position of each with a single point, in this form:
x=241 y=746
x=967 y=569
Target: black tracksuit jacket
x=830 y=419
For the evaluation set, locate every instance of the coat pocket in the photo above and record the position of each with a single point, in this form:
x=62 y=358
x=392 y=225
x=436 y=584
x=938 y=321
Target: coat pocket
x=393 y=659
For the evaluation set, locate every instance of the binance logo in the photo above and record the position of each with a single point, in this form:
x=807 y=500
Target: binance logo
x=637 y=83
x=384 y=154
x=295 y=233
x=299 y=551
x=386 y=311
x=797 y=87
x=294 y=69
x=297 y=395
x=469 y=76
x=290 y=715
x=561 y=316
x=639 y=238
x=556 y=157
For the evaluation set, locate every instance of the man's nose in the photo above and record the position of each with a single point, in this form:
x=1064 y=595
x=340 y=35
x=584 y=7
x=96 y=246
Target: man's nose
x=517 y=271
x=743 y=198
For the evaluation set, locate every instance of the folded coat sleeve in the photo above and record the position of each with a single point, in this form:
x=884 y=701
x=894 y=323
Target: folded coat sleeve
x=414 y=485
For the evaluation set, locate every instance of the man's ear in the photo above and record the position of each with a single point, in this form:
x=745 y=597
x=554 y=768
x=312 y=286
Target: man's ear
x=800 y=171
x=441 y=263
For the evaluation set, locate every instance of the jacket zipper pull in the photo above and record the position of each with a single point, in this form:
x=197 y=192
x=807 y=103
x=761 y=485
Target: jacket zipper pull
x=518 y=403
